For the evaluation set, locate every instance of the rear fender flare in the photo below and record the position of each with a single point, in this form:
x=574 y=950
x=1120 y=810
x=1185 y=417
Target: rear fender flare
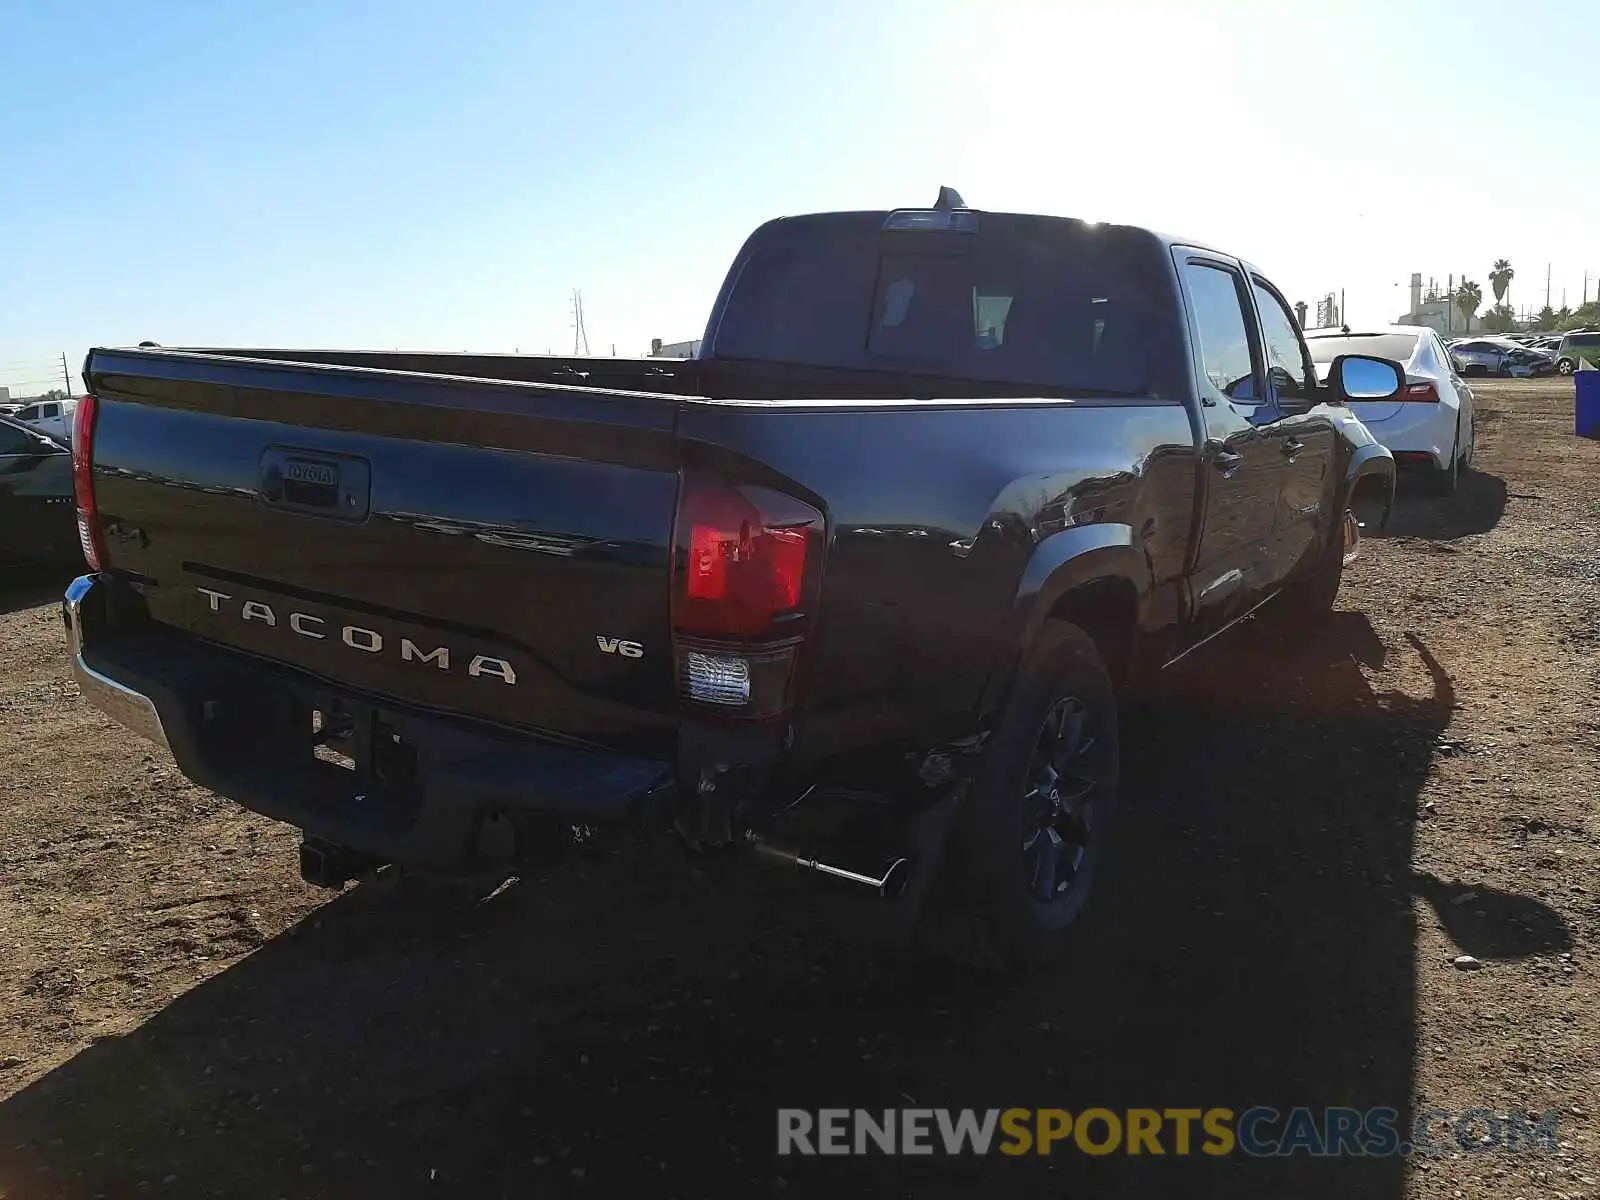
x=1059 y=564
x=1370 y=462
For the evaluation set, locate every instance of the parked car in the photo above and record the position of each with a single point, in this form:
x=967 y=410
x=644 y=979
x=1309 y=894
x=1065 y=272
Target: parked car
x=1490 y=356
x=1530 y=360
x=1432 y=421
x=1575 y=349
x=1474 y=356
x=940 y=482
x=37 y=522
x=49 y=416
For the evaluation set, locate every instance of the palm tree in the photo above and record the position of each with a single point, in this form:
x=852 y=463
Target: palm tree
x=1468 y=296
x=1500 y=279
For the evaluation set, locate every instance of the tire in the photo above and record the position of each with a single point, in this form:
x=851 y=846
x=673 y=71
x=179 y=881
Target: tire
x=1446 y=481
x=1063 y=704
x=1566 y=366
x=1308 y=601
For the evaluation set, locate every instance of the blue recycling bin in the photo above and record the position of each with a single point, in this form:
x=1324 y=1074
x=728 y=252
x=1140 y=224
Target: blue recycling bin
x=1586 y=404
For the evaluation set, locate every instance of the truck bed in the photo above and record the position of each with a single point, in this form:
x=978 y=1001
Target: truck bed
x=455 y=547
x=525 y=526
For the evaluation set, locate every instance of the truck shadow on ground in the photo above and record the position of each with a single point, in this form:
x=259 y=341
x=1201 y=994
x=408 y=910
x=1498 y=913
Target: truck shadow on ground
x=635 y=1025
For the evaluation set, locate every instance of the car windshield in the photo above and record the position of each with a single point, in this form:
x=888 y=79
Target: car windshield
x=1397 y=346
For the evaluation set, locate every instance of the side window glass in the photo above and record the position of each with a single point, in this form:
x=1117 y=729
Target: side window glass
x=1287 y=361
x=15 y=441
x=1224 y=335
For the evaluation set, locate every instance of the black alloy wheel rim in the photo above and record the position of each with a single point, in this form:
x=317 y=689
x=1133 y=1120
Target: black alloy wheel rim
x=1064 y=774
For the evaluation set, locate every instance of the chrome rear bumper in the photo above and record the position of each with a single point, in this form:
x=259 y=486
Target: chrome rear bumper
x=120 y=702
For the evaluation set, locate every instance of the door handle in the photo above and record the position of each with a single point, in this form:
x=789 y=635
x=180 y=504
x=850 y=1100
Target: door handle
x=1293 y=447
x=1227 y=460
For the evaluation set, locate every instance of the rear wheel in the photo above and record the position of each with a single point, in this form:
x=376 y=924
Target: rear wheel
x=1308 y=600
x=1039 y=808
x=1447 y=479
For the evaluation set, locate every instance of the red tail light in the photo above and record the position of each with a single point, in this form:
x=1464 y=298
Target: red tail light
x=745 y=571
x=89 y=535
x=1422 y=393
x=747 y=551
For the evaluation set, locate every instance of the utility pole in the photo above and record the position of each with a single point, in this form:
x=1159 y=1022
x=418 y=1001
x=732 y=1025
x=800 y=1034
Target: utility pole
x=67 y=375
x=580 y=337
x=1547 y=285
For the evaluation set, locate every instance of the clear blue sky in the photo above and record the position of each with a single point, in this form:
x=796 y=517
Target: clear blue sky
x=441 y=176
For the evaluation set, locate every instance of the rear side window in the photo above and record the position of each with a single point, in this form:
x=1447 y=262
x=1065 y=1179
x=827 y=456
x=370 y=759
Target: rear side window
x=1223 y=334
x=1583 y=340
x=1062 y=309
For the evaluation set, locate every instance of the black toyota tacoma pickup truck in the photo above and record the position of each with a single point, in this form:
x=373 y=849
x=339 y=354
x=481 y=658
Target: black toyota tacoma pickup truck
x=941 y=482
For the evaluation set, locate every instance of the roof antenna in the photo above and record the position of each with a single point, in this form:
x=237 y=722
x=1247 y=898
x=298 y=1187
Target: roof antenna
x=948 y=199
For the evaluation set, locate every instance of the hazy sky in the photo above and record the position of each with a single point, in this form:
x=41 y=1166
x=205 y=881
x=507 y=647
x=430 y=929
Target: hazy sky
x=441 y=176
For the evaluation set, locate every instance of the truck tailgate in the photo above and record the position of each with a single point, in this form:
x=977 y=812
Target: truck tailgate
x=492 y=550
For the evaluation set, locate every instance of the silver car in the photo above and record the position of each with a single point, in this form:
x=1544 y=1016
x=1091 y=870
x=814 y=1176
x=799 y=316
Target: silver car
x=1487 y=356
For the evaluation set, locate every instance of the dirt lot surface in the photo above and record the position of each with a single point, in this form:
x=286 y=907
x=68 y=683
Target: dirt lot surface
x=1315 y=830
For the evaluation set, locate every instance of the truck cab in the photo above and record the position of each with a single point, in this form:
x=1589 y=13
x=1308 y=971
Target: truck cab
x=49 y=416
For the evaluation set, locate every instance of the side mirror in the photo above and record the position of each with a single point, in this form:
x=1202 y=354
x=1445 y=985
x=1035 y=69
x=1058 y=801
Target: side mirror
x=1283 y=383
x=1359 y=377
x=1289 y=393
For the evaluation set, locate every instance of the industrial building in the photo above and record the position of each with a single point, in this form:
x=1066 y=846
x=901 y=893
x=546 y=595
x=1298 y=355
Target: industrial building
x=1437 y=310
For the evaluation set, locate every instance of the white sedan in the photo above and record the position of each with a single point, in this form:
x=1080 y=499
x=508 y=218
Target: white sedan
x=1431 y=421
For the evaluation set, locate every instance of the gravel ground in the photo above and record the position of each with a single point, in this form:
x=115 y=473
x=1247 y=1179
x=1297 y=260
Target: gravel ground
x=1315 y=830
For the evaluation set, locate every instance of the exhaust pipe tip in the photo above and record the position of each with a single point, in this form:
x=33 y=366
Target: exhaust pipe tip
x=889 y=885
x=895 y=879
